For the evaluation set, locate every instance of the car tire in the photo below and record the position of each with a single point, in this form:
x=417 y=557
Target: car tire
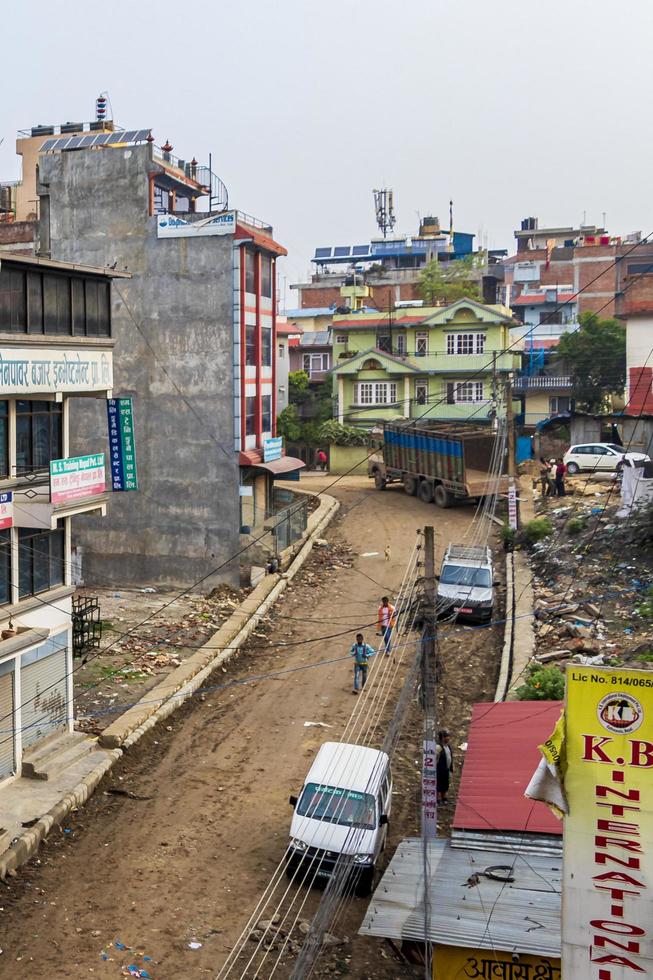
x=442 y=496
x=410 y=485
x=620 y=466
x=573 y=469
x=365 y=882
x=379 y=481
x=425 y=492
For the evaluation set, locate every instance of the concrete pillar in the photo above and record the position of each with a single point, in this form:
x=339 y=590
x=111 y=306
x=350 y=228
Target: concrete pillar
x=341 y=399
x=407 y=396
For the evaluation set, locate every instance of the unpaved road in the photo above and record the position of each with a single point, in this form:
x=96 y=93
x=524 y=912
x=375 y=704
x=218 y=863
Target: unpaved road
x=189 y=864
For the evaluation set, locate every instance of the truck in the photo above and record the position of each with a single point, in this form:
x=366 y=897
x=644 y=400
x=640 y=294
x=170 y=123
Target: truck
x=441 y=462
x=466 y=583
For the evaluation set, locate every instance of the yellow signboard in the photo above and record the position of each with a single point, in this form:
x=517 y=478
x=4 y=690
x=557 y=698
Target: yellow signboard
x=607 y=901
x=454 y=963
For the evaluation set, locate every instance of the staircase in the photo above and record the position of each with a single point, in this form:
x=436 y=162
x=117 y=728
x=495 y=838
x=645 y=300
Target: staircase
x=56 y=753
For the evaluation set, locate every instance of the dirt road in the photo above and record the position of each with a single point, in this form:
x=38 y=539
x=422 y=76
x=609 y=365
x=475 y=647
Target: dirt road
x=187 y=864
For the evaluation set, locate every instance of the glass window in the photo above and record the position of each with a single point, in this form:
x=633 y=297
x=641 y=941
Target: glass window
x=421 y=392
x=341 y=338
x=35 y=302
x=38 y=435
x=40 y=559
x=266 y=347
x=250 y=345
x=103 y=309
x=266 y=275
x=376 y=393
x=383 y=342
x=13 y=313
x=250 y=271
x=5 y=566
x=421 y=344
x=4 y=438
x=334 y=805
x=281 y=352
x=469 y=391
x=266 y=424
x=480 y=343
x=250 y=416
x=92 y=313
x=364 y=393
x=401 y=344
x=466 y=575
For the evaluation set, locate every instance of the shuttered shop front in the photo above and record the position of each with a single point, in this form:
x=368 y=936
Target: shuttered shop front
x=7 y=734
x=44 y=690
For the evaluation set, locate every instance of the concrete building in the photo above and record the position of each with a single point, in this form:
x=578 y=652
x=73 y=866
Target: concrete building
x=196 y=327
x=56 y=365
x=313 y=354
x=286 y=333
x=437 y=363
x=635 y=307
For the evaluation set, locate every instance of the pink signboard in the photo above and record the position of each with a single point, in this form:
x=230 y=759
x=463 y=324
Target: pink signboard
x=6 y=510
x=76 y=478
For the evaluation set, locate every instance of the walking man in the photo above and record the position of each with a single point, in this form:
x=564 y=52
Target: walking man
x=361 y=652
x=443 y=766
x=560 y=472
x=386 y=622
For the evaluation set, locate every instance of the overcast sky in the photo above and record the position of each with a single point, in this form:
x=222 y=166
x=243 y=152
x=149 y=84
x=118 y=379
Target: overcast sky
x=511 y=108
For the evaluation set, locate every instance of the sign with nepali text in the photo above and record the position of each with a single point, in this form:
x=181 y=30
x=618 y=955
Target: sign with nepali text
x=122 y=448
x=76 y=478
x=6 y=510
x=172 y=226
x=607 y=900
x=35 y=370
x=272 y=449
x=455 y=963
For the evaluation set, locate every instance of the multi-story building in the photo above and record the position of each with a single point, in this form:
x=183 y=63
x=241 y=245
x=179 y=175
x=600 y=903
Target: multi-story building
x=313 y=354
x=436 y=363
x=56 y=355
x=196 y=326
x=635 y=307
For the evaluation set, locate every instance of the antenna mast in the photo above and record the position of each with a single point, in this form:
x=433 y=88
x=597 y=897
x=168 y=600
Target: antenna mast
x=384 y=207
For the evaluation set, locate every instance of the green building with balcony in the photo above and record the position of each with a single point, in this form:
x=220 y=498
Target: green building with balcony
x=447 y=363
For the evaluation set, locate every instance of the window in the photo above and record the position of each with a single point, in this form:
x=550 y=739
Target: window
x=558 y=404
x=421 y=392
x=5 y=567
x=281 y=352
x=555 y=316
x=250 y=416
x=266 y=424
x=401 y=344
x=13 y=314
x=341 y=806
x=315 y=363
x=40 y=559
x=421 y=344
x=465 y=343
x=266 y=347
x=376 y=392
x=38 y=435
x=4 y=439
x=266 y=275
x=468 y=391
x=35 y=303
x=342 y=338
x=383 y=342
x=54 y=303
x=250 y=271
x=250 y=344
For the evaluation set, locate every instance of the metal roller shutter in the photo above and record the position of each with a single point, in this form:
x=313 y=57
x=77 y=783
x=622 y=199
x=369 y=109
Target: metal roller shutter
x=43 y=698
x=7 y=735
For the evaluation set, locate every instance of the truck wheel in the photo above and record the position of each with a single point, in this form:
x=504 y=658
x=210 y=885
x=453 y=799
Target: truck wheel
x=442 y=496
x=425 y=492
x=379 y=481
x=410 y=485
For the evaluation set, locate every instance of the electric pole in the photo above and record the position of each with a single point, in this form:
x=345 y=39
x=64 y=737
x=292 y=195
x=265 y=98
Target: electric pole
x=429 y=674
x=512 y=489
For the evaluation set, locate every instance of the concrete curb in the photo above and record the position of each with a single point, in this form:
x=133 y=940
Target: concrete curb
x=135 y=722
x=506 y=654
x=165 y=697
x=25 y=846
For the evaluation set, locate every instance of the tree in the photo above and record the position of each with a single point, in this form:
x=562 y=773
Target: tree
x=289 y=424
x=446 y=282
x=595 y=357
x=334 y=433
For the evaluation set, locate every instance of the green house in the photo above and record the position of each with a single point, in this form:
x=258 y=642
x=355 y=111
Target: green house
x=446 y=363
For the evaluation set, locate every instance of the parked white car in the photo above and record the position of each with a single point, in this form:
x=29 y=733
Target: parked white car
x=599 y=457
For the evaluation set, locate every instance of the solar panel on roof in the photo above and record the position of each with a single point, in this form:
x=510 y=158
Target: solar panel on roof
x=75 y=142
x=141 y=135
x=115 y=138
x=341 y=250
x=48 y=145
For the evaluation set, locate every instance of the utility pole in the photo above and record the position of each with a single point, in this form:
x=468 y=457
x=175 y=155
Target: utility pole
x=512 y=489
x=429 y=760
x=493 y=410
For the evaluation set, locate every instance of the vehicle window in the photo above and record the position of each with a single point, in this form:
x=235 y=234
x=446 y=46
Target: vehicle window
x=599 y=450
x=578 y=450
x=465 y=575
x=335 y=805
x=616 y=449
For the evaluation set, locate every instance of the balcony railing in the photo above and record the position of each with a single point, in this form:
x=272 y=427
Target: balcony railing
x=543 y=382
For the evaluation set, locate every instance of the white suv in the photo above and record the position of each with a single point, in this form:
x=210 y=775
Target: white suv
x=599 y=457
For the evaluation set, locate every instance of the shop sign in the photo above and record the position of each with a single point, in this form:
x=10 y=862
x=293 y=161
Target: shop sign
x=171 y=226
x=122 y=448
x=454 y=963
x=35 y=370
x=77 y=477
x=6 y=510
x=272 y=449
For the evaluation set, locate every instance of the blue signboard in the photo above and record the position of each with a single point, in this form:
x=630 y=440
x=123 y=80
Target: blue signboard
x=272 y=449
x=122 y=448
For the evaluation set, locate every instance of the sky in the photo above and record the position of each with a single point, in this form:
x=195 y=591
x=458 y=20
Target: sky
x=510 y=109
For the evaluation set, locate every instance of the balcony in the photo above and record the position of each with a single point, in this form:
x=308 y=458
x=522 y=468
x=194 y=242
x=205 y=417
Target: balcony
x=69 y=486
x=543 y=383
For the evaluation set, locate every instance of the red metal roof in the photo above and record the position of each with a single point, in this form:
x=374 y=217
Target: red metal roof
x=501 y=757
x=397 y=321
x=533 y=299
x=259 y=238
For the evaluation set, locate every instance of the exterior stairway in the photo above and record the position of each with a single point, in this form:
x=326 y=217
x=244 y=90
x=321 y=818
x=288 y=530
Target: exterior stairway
x=56 y=753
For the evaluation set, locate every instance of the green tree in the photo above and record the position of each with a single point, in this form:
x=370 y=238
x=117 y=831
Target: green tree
x=595 y=357
x=289 y=424
x=446 y=282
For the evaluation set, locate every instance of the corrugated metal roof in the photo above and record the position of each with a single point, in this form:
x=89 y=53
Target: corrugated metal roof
x=522 y=916
x=501 y=757
x=315 y=338
x=533 y=299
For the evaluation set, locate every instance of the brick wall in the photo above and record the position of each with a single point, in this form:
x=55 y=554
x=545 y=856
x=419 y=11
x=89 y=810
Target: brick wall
x=18 y=236
x=640 y=391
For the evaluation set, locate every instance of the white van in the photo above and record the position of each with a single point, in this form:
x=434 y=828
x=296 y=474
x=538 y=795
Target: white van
x=343 y=809
x=466 y=583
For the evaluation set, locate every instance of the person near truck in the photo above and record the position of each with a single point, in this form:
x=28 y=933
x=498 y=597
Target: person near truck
x=361 y=652
x=386 y=623
x=546 y=478
x=560 y=472
x=443 y=766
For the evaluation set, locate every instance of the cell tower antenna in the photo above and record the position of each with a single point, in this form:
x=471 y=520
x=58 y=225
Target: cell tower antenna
x=384 y=208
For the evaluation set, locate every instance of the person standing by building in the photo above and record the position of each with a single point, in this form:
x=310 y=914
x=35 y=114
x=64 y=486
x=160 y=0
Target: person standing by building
x=386 y=623
x=443 y=766
x=546 y=479
x=560 y=473
x=361 y=652
x=321 y=457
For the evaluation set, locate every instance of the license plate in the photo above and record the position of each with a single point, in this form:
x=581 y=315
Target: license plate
x=462 y=609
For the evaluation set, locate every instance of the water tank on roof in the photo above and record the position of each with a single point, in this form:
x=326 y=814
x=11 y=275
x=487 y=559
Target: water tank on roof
x=71 y=127
x=42 y=130
x=529 y=224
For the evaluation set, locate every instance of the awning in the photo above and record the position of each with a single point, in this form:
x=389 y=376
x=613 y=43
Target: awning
x=286 y=464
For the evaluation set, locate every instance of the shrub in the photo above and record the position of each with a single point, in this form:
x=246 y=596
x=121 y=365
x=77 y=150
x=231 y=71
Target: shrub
x=337 y=434
x=508 y=535
x=575 y=525
x=542 y=684
x=645 y=608
x=537 y=529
